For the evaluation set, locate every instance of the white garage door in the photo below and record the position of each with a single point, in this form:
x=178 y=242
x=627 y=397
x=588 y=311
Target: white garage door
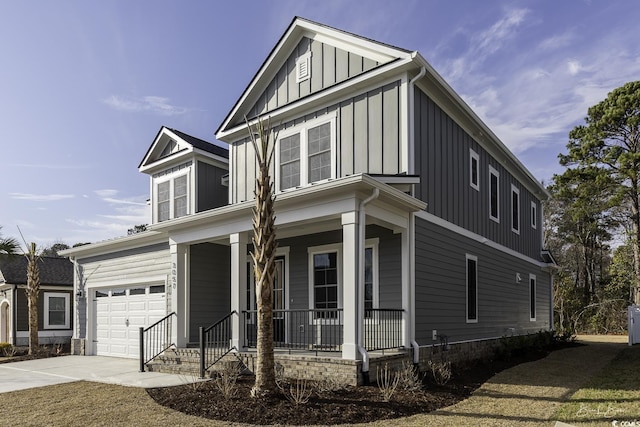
x=120 y=312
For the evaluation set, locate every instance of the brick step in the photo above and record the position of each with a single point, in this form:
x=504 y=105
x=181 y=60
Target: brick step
x=185 y=361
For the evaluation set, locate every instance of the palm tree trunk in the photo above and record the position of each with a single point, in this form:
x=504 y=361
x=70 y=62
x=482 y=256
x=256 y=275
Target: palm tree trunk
x=32 y=290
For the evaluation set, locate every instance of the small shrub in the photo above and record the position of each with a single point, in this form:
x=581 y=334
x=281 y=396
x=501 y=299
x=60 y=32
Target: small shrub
x=297 y=393
x=4 y=345
x=409 y=378
x=226 y=380
x=440 y=371
x=387 y=382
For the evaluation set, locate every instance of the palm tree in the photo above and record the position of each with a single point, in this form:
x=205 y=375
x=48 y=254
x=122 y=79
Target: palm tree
x=264 y=251
x=8 y=245
x=32 y=290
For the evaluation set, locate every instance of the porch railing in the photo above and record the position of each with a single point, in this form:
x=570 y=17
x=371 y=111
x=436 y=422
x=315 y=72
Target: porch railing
x=382 y=329
x=313 y=330
x=321 y=330
x=155 y=339
x=215 y=342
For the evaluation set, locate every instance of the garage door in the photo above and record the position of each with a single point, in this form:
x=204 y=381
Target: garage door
x=120 y=312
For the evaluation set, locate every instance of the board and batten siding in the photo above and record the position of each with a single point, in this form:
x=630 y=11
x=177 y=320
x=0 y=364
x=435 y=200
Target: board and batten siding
x=443 y=163
x=211 y=193
x=329 y=65
x=367 y=139
x=440 y=294
x=209 y=285
x=132 y=264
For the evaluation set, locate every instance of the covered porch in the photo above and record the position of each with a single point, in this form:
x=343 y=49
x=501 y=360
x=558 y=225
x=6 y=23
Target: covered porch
x=344 y=273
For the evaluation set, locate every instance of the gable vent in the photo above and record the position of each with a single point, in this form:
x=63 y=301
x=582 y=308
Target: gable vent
x=303 y=67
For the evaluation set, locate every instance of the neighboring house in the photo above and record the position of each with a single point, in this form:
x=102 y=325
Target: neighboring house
x=403 y=221
x=55 y=300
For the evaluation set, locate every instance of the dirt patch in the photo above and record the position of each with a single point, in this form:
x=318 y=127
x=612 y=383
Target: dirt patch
x=346 y=406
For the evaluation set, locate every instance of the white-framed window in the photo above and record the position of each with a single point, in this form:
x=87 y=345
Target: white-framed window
x=306 y=154
x=56 y=310
x=172 y=197
x=472 y=288
x=303 y=67
x=371 y=278
x=494 y=194
x=325 y=279
x=532 y=297
x=515 y=209
x=534 y=215
x=474 y=170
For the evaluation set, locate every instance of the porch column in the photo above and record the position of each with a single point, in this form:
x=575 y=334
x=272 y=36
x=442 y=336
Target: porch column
x=179 y=303
x=350 y=319
x=407 y=280
x=238 y=286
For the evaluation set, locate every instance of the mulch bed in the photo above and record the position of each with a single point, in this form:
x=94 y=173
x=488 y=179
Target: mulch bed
x=350 y=405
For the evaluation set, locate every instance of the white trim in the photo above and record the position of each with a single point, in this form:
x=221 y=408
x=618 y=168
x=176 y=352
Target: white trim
x=469 y=257
x=532 y=278
x=478 y=238
x=323 y=249
x=534 y=215
x=127 y=283
x=515 y=190
x=303 y=130
x=374 y=244
x=474 y=156
x=67 y=311
x=495 y=173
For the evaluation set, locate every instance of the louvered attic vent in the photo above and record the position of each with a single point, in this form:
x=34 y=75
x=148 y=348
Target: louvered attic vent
x=303 y=67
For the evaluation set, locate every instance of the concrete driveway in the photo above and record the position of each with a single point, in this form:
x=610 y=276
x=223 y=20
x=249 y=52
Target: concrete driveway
x=64 y=369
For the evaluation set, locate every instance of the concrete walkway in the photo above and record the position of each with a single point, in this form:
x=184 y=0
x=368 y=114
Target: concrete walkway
x=528 y=394
x=64 y=369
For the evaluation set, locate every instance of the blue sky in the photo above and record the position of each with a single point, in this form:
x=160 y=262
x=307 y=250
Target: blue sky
x=85 y=86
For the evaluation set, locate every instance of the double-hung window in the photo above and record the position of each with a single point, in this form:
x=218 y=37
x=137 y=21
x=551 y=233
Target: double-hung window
x=172 y=198
x=532 y=297
x=56 y=310
x=494 y=194
x=306 y=154
x=371 y=281
x=324 y=281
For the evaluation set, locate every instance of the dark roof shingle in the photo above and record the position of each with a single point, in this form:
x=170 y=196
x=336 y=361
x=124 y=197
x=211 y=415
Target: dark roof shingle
x=53 y=271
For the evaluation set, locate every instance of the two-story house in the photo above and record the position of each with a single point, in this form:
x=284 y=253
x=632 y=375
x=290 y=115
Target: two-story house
x=403 y=221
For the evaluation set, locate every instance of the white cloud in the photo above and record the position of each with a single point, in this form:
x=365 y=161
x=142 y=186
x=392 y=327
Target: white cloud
x=40 y=197
x=106 y=193
x=146 y=104
x=574 y=67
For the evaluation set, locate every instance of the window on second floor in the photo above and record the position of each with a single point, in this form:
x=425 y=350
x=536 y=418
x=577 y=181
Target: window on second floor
x=534 y=215
x=306 y=155
x=515 y=209
x=494 y=194
x=474 y=169
x=172 y=198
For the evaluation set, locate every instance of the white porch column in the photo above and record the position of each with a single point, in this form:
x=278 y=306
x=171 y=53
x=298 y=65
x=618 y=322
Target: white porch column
x=407 y=280
x=351 y=320
x=238 y=286
x=179 y=280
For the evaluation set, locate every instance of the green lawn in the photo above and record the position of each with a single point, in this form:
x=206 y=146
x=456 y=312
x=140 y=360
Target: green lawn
x=613 y=394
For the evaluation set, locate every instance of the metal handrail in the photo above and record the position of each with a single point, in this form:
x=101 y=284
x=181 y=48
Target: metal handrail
x=215 y=342
x=155 y=339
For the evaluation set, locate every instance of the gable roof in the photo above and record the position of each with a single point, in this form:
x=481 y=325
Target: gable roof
x=154 y=153
x=376 y=53
x=53 y=271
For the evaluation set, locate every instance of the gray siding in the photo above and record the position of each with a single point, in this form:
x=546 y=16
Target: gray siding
x=211 y=193
x=442 y=161
x=210 y=286
x=367 y=139
x=441 y=289
x=22 y=321
x=329 y=65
